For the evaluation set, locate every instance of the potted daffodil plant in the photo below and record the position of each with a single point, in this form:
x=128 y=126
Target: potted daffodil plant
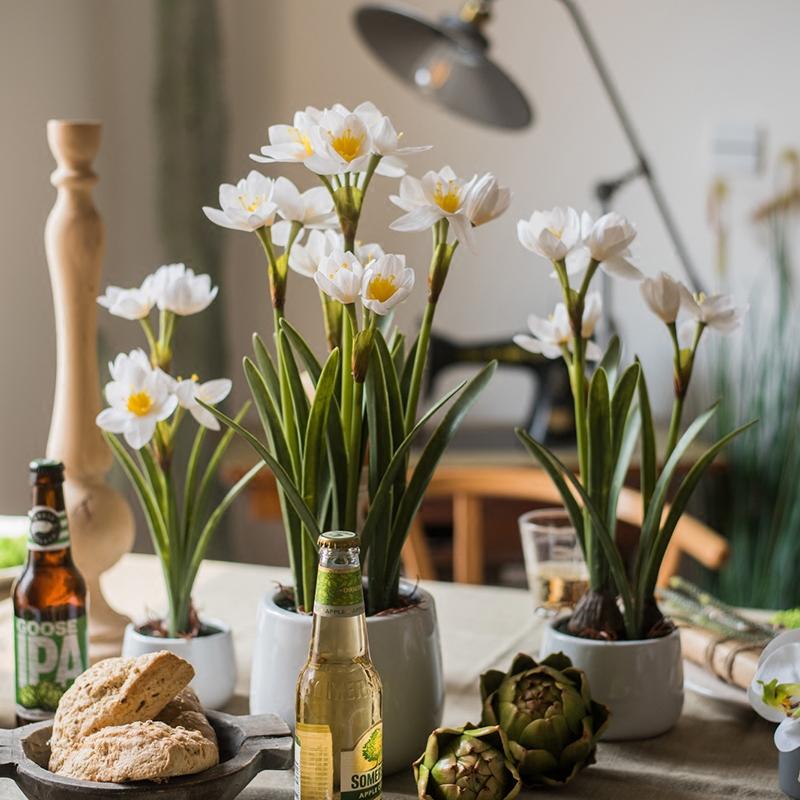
x=630 y=652
x=148 y=411
x=337 y=430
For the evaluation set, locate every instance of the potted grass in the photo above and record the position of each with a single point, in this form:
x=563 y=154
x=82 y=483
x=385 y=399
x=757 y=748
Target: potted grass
x=337 y=431
x=150 y=410
x=617 y=633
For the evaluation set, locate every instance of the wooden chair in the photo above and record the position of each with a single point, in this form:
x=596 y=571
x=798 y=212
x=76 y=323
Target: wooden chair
x=470 y=486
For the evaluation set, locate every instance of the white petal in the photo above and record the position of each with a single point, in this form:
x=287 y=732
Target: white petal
x=204 y=417
x=221 y=218
x=139 y=431
x=420 y=219
x=578 y=259
x=593 y=351
x=620 y=267
x=536 y=346
x=112 y=420
x=212 y=392
x=787 y=736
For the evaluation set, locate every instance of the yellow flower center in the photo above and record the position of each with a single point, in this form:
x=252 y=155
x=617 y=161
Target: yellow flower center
x=380 y=288
x=140 y=403
x=303 y=140
x=347 y=144
x=449 y=200
x=253 y=204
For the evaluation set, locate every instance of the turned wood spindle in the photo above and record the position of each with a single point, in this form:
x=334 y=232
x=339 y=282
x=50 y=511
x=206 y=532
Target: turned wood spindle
x=101 y=522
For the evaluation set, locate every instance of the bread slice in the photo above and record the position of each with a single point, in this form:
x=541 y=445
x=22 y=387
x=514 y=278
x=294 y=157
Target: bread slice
x=115 y=692
x=185 y=711
x=139 y=751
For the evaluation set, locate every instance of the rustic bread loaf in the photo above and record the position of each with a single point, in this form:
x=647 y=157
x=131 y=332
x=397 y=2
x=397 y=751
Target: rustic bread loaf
x=185 y=711
x=114 y=692
x=139 y=751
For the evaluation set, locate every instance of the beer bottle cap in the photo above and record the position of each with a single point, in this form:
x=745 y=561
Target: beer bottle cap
x=46 y=468
x=341 y=539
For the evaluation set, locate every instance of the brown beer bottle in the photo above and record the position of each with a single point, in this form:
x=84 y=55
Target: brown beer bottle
x=50 y=636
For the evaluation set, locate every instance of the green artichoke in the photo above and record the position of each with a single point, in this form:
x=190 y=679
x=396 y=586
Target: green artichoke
x=466 y=763
x=548 y=715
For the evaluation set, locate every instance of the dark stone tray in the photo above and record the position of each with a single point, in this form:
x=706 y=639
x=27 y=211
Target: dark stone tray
x=247 y=746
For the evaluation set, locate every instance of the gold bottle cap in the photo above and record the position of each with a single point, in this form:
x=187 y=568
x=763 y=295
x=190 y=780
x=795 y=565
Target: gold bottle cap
x=338 y=539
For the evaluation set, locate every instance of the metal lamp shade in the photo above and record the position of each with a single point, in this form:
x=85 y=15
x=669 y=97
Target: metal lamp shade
x=446 y=62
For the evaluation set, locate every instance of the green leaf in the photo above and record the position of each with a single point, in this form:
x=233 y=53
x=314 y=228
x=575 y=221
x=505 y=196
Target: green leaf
x=398 y=462
x=612 y=554
x=600 y=454
x=408 y=370
x=302 y=349
x=199 y=551
x=147 y=498
x=211 y=469
x=542 y=455
x=314 y=451
x=649 y=457
x=678 y=506
x=393 y=393
x=297 y=391
x=610 y=360
x=337 y=466
x=621 y=402
x=267 y=369
x=623 y=462
x=283 y=477
x=426 y=465
x=191 y=479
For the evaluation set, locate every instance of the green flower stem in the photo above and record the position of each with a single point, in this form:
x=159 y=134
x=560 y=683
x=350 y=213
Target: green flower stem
x=151 y=338
x=420 y=358
x=373 y=163
x=277 y=287
x=683 y=377
x=347 y=376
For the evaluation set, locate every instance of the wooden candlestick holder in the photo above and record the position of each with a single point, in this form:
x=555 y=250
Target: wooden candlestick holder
x=101 y=522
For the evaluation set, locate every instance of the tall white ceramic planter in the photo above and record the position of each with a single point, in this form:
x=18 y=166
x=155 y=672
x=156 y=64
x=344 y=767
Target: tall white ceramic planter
x=212 y=657
x=640 y=681
x=404 y=647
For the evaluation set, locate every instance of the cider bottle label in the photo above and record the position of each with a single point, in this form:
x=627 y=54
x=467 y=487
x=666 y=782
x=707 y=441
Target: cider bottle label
x=360 y=769
x=48 y=529
x=49 y=655
x=339 y=592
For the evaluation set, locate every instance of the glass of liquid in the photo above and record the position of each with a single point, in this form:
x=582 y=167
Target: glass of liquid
x=557 y=574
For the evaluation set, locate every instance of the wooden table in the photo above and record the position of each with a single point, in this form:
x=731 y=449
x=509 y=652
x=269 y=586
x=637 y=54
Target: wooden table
x=714 y=752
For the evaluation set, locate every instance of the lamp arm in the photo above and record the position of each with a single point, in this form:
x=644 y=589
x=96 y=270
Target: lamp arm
x=633 y=139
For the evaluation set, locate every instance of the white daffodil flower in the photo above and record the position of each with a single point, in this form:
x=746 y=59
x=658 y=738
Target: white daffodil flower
x=387 y=282
x=717 y=311
x=439 y=195
x=176 y=288
x=139 y=397
x=367 y=252
x=306 y=258
x=386 y=141
x=290 y=142
x=486 y=200
x=127 y=303
x=247 y=206
x=341 y=144
x=552 y=334
x=663 y=296
x=607 y=241
x=550 y=234
x=774 y=692
x=312 y=208
x=190 y=390
x=339 y=275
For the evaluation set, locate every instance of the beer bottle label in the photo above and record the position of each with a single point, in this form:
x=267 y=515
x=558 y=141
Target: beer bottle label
x=339 y=592
x=48 y=529
x=49 y=655
x=360 y=769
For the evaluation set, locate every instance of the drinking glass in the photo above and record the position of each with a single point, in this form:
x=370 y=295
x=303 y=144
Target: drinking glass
x=557 y=574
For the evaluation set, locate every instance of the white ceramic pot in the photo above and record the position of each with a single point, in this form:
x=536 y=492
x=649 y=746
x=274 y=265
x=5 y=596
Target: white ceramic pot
x=212 y=657
x=640 y=681
x=404 y=647
x=789 y=772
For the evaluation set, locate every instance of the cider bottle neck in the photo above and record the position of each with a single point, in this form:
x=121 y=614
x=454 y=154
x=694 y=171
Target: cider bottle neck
x=339 y=627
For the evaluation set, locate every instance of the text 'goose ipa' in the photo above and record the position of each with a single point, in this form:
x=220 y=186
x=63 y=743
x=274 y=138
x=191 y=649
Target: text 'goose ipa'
x=339 y=733
x=50 y=637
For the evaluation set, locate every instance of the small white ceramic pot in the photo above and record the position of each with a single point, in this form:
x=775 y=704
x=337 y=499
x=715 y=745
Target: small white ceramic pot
x=789 y=772
x=404 y=648
x=212 y=657
x=640 y=681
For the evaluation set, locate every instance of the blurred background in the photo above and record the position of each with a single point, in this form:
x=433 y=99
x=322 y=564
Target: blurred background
x=186 y=90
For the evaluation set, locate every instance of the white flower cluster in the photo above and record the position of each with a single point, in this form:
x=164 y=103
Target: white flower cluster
x=173 y=287
x=574 y=242
x=140 y=395
x=334 y=141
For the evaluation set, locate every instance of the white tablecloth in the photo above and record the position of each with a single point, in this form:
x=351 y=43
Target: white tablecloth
x=715 y=751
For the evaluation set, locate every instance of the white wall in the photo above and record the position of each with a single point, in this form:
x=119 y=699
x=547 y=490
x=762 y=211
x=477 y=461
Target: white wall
x=681 y=66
